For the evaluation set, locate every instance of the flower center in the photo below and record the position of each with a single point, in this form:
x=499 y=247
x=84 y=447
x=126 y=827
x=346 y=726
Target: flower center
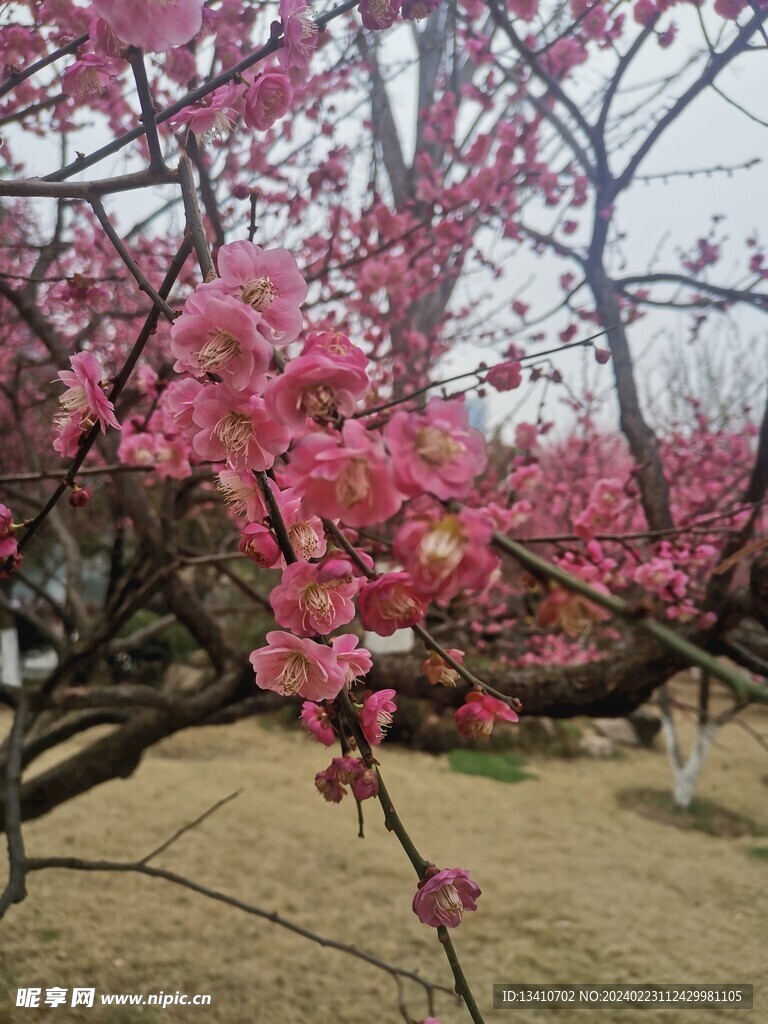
x=436 y=447
x=304 y=540
x=258 y=293
x=399 y=605
x=319 y=401
x=295 y=673
x=353 y=484
x=235 y=431
x=234 y=492
x=218 y=352
x=447 y=903
x=442 y=547
x=316 y=600
x=74 y=399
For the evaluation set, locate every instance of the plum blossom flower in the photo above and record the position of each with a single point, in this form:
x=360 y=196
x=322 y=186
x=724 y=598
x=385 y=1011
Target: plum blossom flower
x=339 y=348
x=438 y=671
x=292 y=665
x=345 y=771
x=376 y=715
x=478 y=715
x=258 y=543
x=505 y=376
x=305 y=533
x=437 y=451
x=236 y=429
x=348 y=478
x=390 y=602
x=660 y=577
x=299 y=36
x=315 y=385
x=269 y=281
x=366 y=784
x=83 y=404
x=307 y=606
x=88 y=76
x=267 y=99
x=8 y=544
x=152 y=24
x=220 y=335
x=571 y=611
x=212 y=116
x=356 y=661
x=317 y=722
x=329 y=787
x=443 y=896
x=241 y=493
x=179 y=399
x=447 y=554
x=378 y=14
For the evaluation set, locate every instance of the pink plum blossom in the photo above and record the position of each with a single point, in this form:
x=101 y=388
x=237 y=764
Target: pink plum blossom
x=242 y=494
x=317 y=386
x=478 y=715
x=356 y=661
x=437 y=451
x=443 y=896
x=236 y=429
x=571 y=611
x=305 y=533
x=376 y=715
x=299 y=36
x=505 y=376
x=212 y=116
x=267 y=99
x=292 y=665
x=179 y=399
x=329 y=787
x=378 y=14
x=317 y=722
x=83 y=404
x=6 y=522
x=366 y=784
x=308 y=607
x=438 y=671
x=448 y=554
x=390 y=602
x=88 y=76
x=338 y=348
x=347 y=478
x=259 y=544
x=223 y=338
x=269 y=281
x=152 y=24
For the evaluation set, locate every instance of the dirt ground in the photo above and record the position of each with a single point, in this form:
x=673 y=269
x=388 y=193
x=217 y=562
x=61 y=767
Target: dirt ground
x=575 y=890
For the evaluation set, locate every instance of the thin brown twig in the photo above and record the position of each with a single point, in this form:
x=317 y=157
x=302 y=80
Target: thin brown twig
x=168 y=312
x=78 y=864
x=189 y=826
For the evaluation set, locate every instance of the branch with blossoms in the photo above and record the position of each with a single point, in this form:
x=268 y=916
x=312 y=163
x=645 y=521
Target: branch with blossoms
x=227 y=380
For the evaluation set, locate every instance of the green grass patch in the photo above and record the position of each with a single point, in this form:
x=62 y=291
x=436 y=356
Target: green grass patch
x=702 y=815
x=761 y=852
x=504 y=767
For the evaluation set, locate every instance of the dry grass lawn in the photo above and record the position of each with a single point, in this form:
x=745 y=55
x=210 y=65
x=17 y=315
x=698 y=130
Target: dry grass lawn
x=575 y=889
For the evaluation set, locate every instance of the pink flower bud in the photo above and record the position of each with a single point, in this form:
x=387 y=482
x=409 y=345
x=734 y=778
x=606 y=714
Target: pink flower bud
x=79 y=496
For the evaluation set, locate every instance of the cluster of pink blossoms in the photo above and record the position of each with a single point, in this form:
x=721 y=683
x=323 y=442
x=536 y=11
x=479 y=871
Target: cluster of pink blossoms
x=245 y=408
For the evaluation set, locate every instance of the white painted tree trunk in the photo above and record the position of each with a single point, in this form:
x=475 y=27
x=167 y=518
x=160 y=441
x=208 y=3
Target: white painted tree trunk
x=11 y=660
x=686 y=774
